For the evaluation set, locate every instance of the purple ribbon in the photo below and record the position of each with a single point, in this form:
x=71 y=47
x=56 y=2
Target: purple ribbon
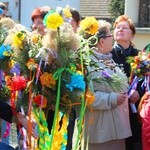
x=130 y=91
x=132 y=87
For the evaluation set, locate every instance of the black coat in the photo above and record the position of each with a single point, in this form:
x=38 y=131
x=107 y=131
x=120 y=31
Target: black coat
x=6 y=111
x=120 y=56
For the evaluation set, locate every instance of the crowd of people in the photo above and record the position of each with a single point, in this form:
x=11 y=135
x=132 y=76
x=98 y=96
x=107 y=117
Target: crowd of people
x=109 y=122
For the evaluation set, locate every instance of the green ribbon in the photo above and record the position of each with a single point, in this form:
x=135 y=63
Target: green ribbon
x=59 y=71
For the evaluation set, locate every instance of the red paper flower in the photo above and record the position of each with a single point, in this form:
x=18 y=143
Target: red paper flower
x=19 y=83
x=40 y=98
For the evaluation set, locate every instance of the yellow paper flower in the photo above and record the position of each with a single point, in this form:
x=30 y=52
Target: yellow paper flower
x=89 y=25
x=79 y=72
x=36 y=38
x=53 y=21
x=134 y=65
x=47 y=80
x=11 y=63
x=67 y=13
x=18 y=39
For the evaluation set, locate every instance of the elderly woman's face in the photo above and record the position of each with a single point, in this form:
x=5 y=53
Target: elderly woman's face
x=122 y=32
x=106 y=43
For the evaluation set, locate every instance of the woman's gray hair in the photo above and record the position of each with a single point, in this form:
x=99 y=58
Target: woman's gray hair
x=103 y=28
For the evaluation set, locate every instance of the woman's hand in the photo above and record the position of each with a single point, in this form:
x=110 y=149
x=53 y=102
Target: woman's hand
x=121 y=98
x=135 y=97
x=23 y=120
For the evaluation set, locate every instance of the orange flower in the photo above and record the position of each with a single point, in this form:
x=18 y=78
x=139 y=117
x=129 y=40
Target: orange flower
x=9 y=82
x=137 y=59
x=89 y=98
x=47 y=80
x=31 y=64
x=36 y=38
x=40 y=101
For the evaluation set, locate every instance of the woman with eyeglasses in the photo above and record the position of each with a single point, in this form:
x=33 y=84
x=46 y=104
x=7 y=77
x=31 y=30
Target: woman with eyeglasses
x=107 y=119
x=124 y=32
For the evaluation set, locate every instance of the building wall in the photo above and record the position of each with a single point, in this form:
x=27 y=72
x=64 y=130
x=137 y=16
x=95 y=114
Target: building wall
x=142 y=37
x=27 y=6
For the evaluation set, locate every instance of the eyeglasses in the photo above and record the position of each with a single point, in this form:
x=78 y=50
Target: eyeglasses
x=107 y=36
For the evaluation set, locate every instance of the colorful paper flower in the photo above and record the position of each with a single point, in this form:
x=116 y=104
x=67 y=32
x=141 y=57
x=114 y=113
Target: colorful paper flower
x=140 y=64
x=47 y=80
x=19 y=83
x=89 y=97
x=1 y=11
x=89 y=25
x=40 y=101
x=31 y=64
x=5 y=50
x=16 y=83
x=105 y=74
x=36 y=38
x=16 y=69
x=67 y=13
x=18 y=39
x=53 y=20
x=77 y=82
x=9 y=82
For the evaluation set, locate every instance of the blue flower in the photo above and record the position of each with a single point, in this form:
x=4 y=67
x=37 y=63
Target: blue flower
x=1 y=11
x=77 y=81
x=3 y=50
x=15 y=69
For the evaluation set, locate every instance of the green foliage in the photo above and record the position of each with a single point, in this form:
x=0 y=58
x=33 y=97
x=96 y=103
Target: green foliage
x=116 y=8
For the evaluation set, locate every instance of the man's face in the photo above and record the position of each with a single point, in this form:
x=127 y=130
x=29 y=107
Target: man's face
x=38 y=25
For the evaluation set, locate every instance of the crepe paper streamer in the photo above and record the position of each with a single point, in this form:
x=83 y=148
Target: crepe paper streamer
x=60 y=133
x=130 y=91
x=148 y=83
x=80 y=124
x=56 y=107
x=29 y=115
x=38 y=71
x=23 y=132
x=46 y=60
x=133 y=107
x=44 y=136
x=40 y=52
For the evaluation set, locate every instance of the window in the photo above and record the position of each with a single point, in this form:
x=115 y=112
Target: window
x=144 y=13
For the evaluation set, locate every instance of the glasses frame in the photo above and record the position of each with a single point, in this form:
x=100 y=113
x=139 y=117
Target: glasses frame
x=107 y=36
